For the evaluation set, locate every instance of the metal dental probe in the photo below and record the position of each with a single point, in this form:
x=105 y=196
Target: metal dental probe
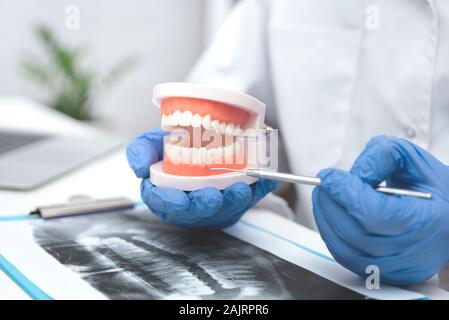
x=286 y=177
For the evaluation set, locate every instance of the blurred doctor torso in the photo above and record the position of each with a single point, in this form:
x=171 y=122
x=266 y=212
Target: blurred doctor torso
x=335 y=73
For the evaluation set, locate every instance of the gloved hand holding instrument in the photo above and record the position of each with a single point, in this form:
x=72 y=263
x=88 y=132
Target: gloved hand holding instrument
x=407 y=238
x=402 y=231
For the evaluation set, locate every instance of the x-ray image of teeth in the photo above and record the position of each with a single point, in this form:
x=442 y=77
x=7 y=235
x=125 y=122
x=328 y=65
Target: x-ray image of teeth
x=132 y=255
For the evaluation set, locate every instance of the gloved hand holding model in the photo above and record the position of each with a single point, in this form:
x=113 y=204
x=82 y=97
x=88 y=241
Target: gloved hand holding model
x=207 y=207
x=405 y=237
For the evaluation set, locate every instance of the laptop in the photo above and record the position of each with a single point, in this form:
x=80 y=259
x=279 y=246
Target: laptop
x=29 y=160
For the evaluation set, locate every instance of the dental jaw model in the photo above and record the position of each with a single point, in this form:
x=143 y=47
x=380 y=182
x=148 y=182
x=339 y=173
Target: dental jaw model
x=206 y=128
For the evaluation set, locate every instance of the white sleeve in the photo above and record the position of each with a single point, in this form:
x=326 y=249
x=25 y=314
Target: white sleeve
x=237 y=57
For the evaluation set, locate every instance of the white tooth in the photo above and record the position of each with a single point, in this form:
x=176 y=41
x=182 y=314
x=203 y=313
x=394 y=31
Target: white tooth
x=218 y=155
x=169 y=119
x=230 y=128
x=196 y=120
x=167 y=150
x=206 y=122
x=239 y=155
x=163 y=121
x=186 y=155
x=216 y=125
x=176 y=154
x=176 y=119
x=238 y=147
x=228 y=154
x=177 y=116
x=238 y=131
x=203 y=153
x=186 y=118
x=210 y=156
x=222 y=128
x=196 y=155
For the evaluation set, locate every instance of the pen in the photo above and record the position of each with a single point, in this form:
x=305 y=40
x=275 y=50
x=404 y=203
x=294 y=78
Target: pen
x=84 y=205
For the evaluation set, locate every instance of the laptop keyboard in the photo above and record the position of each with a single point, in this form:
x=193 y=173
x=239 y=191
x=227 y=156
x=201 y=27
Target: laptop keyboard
x=10 y=140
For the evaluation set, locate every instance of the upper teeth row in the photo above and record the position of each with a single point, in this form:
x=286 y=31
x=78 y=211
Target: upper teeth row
x=186 y=119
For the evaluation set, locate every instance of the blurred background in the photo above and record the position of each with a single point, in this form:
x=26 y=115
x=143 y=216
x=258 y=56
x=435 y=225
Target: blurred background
x=99 y=60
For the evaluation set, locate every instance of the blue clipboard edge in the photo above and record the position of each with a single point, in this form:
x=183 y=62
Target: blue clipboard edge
x=17 y=217
x=33 y=291
x=36 y=293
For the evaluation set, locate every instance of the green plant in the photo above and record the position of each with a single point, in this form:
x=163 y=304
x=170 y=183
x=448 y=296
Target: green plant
x=70 y=85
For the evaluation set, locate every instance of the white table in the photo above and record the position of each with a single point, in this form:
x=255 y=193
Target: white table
x=106 y=177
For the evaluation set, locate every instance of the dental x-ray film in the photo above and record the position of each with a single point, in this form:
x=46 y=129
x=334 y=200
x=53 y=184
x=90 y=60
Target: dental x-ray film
x=133 y=255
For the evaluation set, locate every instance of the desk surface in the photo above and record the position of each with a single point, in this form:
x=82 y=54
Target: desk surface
x=106 y=177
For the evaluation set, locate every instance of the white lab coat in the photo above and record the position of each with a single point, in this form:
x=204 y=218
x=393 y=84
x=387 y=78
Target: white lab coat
x=332 y=77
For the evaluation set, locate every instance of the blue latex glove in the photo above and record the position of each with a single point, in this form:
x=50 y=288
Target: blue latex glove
x=406 y=237
x=208 y=207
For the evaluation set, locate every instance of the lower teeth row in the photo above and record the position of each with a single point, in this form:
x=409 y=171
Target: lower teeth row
x=221 y=155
